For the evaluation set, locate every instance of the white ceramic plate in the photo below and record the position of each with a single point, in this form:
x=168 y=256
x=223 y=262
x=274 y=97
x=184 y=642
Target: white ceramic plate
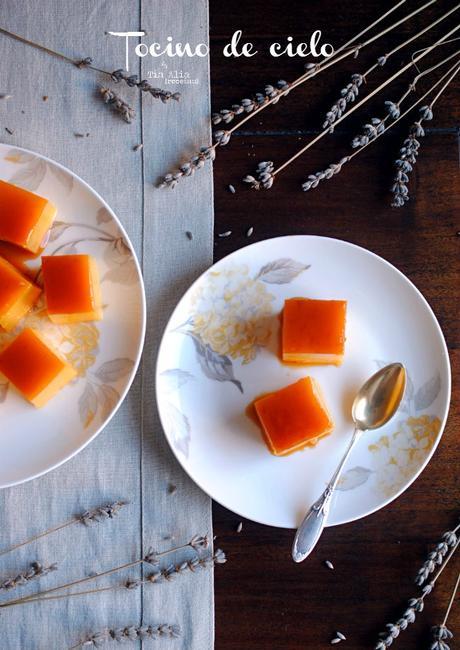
x=105 y=353
x=219 y=352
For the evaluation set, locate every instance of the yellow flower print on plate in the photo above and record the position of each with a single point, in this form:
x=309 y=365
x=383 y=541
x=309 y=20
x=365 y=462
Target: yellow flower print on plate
x=401 y=453
x=232 y=315
x=396 y=456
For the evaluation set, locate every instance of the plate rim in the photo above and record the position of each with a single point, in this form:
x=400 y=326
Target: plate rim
x=385 y=262
x=140 y=349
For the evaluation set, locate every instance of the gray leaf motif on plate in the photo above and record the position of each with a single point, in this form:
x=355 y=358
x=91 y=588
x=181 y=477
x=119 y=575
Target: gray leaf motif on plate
x=57 y=229
x=408 y=395
x=87 y=405
x=281 y=271
x=19 y=157
x=97 y=399
x=173 y=379
x=353 y=478
x=214 y=366
x=112 y=371
x=33 y=173
x=177 y=426
x=98 y=396
x=420 y=399
x=119 y=257
x=427 y=393
x=107 y=399
x=103 y=216
x=65 y=179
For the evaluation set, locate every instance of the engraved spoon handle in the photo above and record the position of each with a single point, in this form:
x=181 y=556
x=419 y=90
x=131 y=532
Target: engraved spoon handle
x=310 y=529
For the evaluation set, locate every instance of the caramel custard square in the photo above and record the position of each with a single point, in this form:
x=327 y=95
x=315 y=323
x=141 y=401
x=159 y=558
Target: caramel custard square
x=294 y=417
x=17 y=295
x=72 y=288
x=313 y=331
x=36 y=370
x=25 y=217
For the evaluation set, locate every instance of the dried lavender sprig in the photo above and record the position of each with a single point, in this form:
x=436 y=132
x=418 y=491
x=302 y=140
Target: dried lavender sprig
x=170 y=179
x=347 y=96
x=363 y=101
x=188 y=168
x=36 y=570
x=175 y=570
x=448 y=75
x=376 y=126
x=130 y=633
x=330 y=171
x=160 y=575
x=144 y=86
x=393 y=630
x=222 y=137
x=264 y=176
x=312 y=69
x=248 y=105
x=351 y=91
x=405 y=163
x=349 y=48
x=152 y=557
x=111 y=98
x=439 y=635
x=102 y=513
x=415 y=606
x=409 y=151
x=198 y=543
x=437 y=555
x=157 y=576
x=87 y=62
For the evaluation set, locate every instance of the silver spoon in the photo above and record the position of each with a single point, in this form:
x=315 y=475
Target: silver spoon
x=374 y=405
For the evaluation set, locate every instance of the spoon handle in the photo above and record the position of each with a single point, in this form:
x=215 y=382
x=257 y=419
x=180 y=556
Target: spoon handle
x=310 y=529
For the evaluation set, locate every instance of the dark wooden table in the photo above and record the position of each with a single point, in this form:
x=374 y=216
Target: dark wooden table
x=263 y=600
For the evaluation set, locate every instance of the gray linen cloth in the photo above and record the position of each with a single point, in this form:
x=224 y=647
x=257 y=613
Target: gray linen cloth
x=130 y=459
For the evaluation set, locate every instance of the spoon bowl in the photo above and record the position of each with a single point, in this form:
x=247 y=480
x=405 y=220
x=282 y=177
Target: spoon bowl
x=379 y=397
x=376 y=402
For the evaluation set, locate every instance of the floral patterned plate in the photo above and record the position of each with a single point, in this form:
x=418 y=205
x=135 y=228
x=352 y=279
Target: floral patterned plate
x=220 y=351
x=105 y=353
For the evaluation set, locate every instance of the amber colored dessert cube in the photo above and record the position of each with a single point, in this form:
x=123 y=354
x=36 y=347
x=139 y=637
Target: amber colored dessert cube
x=34 y=369
x=72 y=288
x=294 y=417
x=17 y=295
x=25 y=218
x=313 y=331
